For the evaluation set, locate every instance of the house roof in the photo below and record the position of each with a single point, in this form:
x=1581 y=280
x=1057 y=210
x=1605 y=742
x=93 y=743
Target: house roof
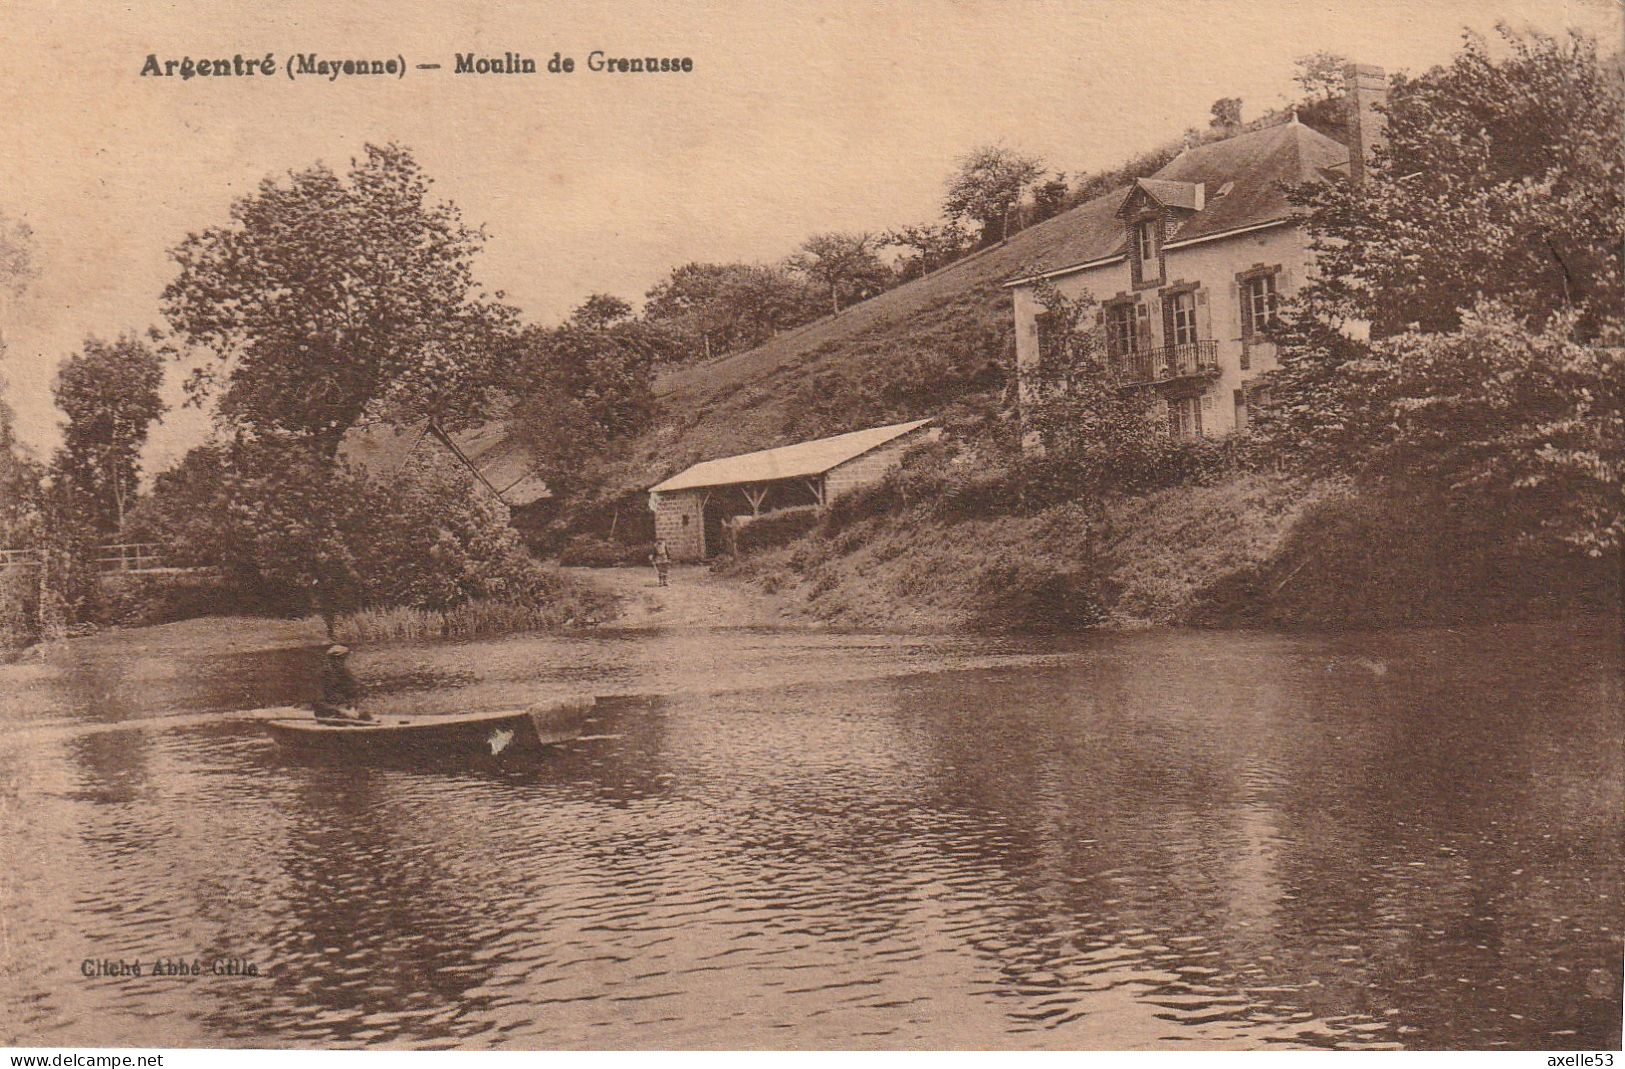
x=490 y=449
x=1255 y=165
x=1259 y=163
x=788 y=461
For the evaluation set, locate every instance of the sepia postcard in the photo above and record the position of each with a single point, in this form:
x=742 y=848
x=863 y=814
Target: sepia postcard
x=857 y=525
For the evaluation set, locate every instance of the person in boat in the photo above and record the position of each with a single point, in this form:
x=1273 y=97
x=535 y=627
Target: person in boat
x=340 y=688
x=662 y=562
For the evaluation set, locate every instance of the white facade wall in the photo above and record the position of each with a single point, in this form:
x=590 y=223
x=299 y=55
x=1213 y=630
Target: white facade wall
x=1213 y=266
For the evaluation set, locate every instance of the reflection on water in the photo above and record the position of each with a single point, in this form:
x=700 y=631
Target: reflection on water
x=775 y=840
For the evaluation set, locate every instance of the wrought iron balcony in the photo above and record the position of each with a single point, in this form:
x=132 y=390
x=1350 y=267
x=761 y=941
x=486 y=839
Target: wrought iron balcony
x=1198 y=359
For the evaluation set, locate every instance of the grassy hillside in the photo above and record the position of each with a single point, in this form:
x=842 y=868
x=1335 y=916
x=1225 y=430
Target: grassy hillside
x=1251 y=550
x=942 y=345
x=1141 y=562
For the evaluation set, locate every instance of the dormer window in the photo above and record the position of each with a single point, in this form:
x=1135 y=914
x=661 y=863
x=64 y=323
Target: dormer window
x=1145 y=238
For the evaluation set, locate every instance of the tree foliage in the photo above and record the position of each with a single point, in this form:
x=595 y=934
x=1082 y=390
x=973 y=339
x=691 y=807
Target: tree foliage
x=844 y=266
x=16 y=272
x=1077 y=404
x=1500 y=179
x=987 y=187
x=713 y=309
x=1225 y=114
x=110 y=393
x=291 y=528
x=1050 y=197
x=1320 y=76
x=931 y=245
x=1465 y=295
x=584 y=386
x=331 y=298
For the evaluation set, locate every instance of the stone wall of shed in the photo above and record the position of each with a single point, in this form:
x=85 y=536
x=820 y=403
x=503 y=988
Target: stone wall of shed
x=872 y=466
x=680 y=523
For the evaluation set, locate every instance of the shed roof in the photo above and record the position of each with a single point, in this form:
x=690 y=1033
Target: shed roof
x=787 y=461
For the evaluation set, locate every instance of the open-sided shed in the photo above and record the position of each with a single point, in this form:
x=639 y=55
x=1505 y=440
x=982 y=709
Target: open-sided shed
x=691 y=506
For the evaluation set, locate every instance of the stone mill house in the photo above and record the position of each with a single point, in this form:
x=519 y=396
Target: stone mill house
x=1189 y=265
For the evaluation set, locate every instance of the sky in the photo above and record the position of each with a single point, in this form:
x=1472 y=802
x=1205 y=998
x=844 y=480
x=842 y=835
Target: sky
x=798 y=117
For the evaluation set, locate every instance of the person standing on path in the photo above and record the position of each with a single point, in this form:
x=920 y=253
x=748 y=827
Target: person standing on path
x=661 y=558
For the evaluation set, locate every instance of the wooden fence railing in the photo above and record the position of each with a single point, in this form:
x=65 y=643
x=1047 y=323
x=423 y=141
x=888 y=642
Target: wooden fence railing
x=18 y=558
x=129 y=557
x=114 y=557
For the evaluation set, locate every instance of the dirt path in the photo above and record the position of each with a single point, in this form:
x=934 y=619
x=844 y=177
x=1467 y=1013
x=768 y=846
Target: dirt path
x=694 y=599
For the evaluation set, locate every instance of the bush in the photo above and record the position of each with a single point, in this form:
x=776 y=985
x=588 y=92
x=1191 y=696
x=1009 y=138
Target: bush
x=564 y=606
x=285 y=524
x=135 y=600
x=1384 y=555
x=1035 y=594
x=19 y=607
x=774 y=529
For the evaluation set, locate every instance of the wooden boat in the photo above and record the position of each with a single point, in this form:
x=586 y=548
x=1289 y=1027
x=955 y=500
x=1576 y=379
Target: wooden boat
x=457 y=736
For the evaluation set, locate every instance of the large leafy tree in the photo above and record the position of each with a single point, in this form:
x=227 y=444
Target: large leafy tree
x=1501 y=178
x=987 y=186
x=1456 y=331
x=329 y=299
x=935 y=245
x=1527 y=425
x=585 y=385
x=844 y=266
x=110 y=393
x=292 y=530
x=712 y=309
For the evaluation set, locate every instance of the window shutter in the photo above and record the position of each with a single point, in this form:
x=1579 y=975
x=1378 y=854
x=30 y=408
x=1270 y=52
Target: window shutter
x=1204 y=317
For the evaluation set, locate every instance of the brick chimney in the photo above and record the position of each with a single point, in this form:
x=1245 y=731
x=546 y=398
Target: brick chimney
x=1367 y=87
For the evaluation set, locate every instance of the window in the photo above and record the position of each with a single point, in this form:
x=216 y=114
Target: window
x=1182 y=317
x=1047 y=339
x=1120 y=336
x=1258 y=304
x=1145 y=240
x=1184 y=418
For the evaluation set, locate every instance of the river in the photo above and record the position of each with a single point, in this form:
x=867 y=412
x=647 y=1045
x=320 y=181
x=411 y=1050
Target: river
x=772 y=839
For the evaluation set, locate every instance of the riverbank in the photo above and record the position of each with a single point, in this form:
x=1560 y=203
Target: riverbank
x=695 y=597
x=1254 y=550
